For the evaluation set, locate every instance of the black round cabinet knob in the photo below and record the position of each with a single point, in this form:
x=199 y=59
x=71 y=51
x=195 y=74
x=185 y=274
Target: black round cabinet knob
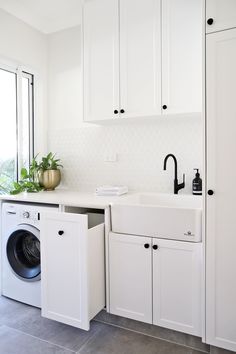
x=122 y=111
x=164 y=106
x=210 y=192
x=60 y=232
x=116 y=111
x=146 y=245
x=210 y=21
x=155 y=247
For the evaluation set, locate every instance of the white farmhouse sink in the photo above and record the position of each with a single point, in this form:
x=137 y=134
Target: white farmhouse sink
x=177 y=217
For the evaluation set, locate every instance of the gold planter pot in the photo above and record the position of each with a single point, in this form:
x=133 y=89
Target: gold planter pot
x=49 y=179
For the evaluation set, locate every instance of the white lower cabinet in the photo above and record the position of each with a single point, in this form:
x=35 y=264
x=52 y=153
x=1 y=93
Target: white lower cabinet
x=156 y=281
x=177 y=285
x=131 y=276
x=72 y=262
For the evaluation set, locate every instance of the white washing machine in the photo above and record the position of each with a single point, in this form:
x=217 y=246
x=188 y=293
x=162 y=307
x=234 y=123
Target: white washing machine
x=21 y=268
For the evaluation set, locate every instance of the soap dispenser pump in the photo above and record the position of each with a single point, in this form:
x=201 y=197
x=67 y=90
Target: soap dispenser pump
x=197 y=183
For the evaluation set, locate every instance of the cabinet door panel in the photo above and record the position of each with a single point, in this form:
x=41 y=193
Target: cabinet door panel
x=223 y=13
x=221 y=177
x=182 y=56
x=101 y=59
x=64 y=268
x=130 y=277
x=177 y=286
x=140 y=58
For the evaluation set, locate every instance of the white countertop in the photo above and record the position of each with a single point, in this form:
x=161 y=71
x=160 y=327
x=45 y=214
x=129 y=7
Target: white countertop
x=67 y=197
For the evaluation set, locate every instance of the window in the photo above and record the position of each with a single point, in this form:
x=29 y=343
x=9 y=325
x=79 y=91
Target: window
x=16 y=115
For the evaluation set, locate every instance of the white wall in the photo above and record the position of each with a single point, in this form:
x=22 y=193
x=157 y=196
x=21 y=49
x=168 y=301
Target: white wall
x=20 y=44
x=141 y=148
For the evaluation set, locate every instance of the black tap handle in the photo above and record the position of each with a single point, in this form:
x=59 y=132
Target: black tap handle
x=184 y=178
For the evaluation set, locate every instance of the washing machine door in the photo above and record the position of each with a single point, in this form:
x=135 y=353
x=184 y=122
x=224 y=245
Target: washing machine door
x=23 y=252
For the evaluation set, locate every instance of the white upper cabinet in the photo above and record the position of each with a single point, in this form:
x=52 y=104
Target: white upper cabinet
x=221 y=177
x=101 y=59
x=220 y=15
x=140 y=59
x=140 y=56
x=181 y=56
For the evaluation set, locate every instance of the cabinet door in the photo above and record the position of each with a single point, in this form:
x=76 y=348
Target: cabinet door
x=101 y=59
x=64 y=270
x=177 y=285
x=140 y=58
x=181 y=56
x=130 y=276
x=223 y=14
x=221 y=177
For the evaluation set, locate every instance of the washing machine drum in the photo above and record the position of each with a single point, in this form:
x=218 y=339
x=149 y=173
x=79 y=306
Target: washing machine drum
x=23 y=252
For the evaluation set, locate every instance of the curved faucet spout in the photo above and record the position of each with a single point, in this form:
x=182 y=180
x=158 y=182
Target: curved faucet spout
x=177 y=186
x=175 y=162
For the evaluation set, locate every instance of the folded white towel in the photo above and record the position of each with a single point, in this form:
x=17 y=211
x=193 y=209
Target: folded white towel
x=111 y=190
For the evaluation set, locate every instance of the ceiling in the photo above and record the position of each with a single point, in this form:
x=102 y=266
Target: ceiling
x=45 y=15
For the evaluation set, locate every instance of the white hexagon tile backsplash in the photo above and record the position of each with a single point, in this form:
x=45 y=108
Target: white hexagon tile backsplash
x=140 y=148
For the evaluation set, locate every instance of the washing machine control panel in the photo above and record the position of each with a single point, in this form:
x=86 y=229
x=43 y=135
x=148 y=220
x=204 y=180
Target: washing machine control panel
x=31 y=217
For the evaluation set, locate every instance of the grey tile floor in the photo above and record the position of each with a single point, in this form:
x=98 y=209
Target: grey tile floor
x=24 y=331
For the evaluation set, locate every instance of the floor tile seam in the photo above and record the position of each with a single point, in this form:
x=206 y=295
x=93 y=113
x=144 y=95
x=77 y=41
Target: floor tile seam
x=40 y=339
x=89 y=339
x=151 y=336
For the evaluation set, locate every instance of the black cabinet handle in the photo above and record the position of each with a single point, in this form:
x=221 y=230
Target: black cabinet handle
x=60 y=232
x=116 y=111
x=164 y=106
x=155 y=247
x=122 y=111
x=210 y=192
x=146 y=245
x=210 y=21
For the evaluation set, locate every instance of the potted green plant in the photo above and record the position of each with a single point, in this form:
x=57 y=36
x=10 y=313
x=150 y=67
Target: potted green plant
x=29 y=180
x=49 y=174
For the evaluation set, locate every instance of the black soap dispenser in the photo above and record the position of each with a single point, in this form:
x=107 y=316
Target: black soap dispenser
x=197 y=183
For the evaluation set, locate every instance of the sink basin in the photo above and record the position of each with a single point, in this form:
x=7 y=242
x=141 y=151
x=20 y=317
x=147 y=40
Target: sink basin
x=177 y=217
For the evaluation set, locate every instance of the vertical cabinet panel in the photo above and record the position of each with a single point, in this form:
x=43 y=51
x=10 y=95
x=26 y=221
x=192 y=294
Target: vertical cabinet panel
x=182 y=56
x=130 y=277
x=223 y=14
x=140 y=57
x=221 y=177
x=64 y=271
x=101 y=59
x=177 y=286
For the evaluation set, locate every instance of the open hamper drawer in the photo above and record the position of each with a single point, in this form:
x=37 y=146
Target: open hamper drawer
x=72 y=265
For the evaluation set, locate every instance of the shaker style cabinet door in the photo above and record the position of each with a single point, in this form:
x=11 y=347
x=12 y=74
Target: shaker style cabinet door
x=72 y=262
x=220 y=15
x=140 y=58
x=181 y=56
x=177 y=285
x=101 y=59
x=130 y=274
x=221 y=177
x=64 y=271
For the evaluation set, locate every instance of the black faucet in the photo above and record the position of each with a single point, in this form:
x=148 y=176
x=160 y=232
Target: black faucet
x=177 y=186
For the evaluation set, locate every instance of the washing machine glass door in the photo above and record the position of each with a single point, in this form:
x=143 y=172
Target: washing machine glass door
x=23 y=252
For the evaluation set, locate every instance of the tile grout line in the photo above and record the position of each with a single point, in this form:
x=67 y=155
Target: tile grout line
x=149 y=335
x=40 y=339
x=88 y=340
